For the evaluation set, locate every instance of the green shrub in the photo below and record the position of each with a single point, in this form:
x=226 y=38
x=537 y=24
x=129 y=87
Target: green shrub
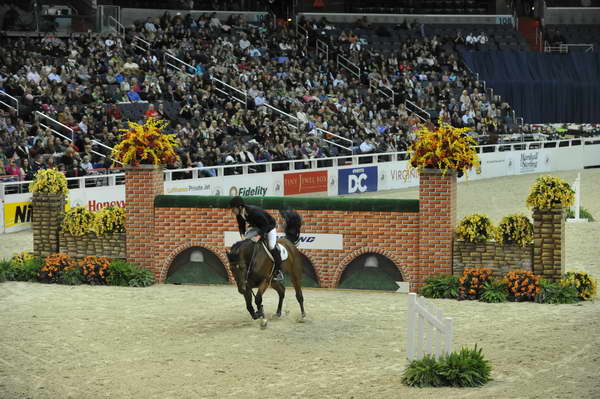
x=466 y=368
x=72 y=276
x=516 y=229
x=28 y=270
x=556 y=293
x=125 y=274
x=583 y=213
x=442 y=286
x=494 y=291
x=5 y=270
x=475 y=228
x=141 y=278
x=426 y=372
x=586 y=285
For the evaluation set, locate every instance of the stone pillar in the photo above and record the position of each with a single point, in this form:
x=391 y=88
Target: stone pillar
x=437 y=219
x=549 y=243
x=142 y=184
x=48 y=212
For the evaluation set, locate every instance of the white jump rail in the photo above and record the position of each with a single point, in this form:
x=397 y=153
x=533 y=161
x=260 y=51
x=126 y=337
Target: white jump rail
x=428 y=331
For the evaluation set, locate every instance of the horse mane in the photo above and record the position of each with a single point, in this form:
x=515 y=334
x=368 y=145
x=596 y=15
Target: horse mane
x=233 y=255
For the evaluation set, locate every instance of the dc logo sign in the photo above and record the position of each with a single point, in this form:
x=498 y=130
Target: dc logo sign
x=359 y=180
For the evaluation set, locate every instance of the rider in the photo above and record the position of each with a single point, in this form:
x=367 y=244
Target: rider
x=262 y=220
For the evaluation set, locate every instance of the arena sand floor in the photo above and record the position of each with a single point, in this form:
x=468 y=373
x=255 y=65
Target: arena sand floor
x=171 y=341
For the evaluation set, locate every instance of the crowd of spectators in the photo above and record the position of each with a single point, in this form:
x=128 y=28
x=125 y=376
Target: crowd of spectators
x=85 y=82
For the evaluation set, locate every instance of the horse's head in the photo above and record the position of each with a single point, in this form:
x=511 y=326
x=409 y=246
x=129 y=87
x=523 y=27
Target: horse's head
x=237 y=265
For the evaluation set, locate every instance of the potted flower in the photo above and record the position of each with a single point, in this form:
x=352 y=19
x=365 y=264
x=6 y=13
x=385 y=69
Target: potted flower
x=550 y=192
x=146 y=145
x=445 y=148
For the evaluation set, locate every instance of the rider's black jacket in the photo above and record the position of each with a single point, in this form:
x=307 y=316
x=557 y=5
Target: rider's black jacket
x=256 y=217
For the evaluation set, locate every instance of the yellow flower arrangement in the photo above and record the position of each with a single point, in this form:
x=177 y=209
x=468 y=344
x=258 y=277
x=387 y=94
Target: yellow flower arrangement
x=21 y=257
x=548 y=192
x=110 y=219
x=146 y=144
x=444 y=147
x=49 y=181
x=78 y=221
x=475 y=228
x=586 y=285
x=515 y=228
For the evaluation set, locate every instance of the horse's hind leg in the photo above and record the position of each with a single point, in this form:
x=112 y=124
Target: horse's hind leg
x=299 y=296
x=280 y=288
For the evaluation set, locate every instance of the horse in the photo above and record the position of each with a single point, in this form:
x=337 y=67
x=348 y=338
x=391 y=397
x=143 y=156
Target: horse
x=252 y=267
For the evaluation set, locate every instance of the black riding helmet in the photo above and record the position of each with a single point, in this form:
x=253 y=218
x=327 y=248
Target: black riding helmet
x=236 y=202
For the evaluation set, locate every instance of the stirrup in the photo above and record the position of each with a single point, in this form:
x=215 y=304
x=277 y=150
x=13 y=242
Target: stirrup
x=278 y=276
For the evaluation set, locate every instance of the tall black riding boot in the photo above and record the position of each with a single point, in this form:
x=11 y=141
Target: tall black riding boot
x=277 y=274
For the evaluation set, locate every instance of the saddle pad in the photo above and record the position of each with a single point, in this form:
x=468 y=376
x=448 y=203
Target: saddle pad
x=282 y=250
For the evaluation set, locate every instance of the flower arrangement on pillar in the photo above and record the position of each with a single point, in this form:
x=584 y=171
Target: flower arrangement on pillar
x=445 y=148
x=49 y=188
x=549 y=196
x=146 y=144
x=144 y=150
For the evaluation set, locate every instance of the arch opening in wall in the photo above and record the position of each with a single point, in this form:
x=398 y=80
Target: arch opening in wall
x=309 y=275
x=197 y=265
x=371 y=271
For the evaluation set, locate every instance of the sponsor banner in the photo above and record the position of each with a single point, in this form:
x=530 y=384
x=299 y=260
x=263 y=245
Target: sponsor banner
x=190 y=187
x=357 y=180
x=529 y=161
x=253 y=185
x=305 y=182
x=397 y=175
x=307 y=240
x=17 y=215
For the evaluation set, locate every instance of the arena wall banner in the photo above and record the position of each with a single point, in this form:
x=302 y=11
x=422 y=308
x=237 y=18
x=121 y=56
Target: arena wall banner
x=305 y=182
x=396 y=175
x=258 y=185
x=307 y=241
x=204 y=186
x=358 y=180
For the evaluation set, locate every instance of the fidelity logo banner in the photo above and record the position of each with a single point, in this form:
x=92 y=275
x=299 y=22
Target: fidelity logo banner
x=307 y=241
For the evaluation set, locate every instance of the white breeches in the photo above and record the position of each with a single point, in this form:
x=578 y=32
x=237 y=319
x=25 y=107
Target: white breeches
x=272 y=238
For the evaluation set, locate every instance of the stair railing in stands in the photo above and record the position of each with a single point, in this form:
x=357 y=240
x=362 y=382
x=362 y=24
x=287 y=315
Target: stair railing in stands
x=303 y=32
x=141 y=44
x=322 y=47
x=183 y=66
x=10 y=98
x=116 y=26
x=415 y=109
x=374 y=84
x=39 y=115
x=343 y=62
x=236 y=94
x=324 y=133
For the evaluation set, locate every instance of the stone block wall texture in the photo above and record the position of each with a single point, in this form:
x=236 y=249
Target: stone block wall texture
x=437 y=213
x=549 y=240
x=501 y=258
x=48 y=211
x=142 y=184
x=392 y=234
x=109 y=245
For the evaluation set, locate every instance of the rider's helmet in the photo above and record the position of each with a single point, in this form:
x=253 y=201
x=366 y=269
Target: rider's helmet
x=236 y=202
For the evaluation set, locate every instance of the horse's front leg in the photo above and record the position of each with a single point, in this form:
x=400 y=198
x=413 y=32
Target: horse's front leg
x=248 y=298
x=258 y=299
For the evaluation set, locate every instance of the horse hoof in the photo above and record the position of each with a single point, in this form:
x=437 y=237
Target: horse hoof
x=301 y=319
x=263 y=323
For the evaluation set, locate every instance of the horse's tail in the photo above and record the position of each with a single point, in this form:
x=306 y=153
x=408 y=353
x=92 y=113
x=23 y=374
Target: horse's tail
x=293 y=224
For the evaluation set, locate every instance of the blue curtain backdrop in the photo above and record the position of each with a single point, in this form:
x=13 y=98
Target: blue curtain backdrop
x=543 y=88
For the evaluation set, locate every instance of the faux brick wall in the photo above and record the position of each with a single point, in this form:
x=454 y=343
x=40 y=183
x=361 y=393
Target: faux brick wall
x=437 y=212
x=142 y=185
x=392 y=234
x=498 y=257
x=48 y=213
x=109 y=245
x=549 y=240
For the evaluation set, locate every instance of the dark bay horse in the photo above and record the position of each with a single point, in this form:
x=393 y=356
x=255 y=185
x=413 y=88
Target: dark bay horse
x=252 y=267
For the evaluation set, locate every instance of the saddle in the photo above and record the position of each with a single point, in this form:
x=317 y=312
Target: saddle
x=254 y=236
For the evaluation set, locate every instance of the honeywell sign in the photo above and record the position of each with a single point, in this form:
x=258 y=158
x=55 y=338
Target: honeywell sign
x=307 y=240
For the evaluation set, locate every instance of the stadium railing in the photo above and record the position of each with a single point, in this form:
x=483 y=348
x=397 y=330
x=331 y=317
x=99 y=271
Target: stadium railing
x=9 y=99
